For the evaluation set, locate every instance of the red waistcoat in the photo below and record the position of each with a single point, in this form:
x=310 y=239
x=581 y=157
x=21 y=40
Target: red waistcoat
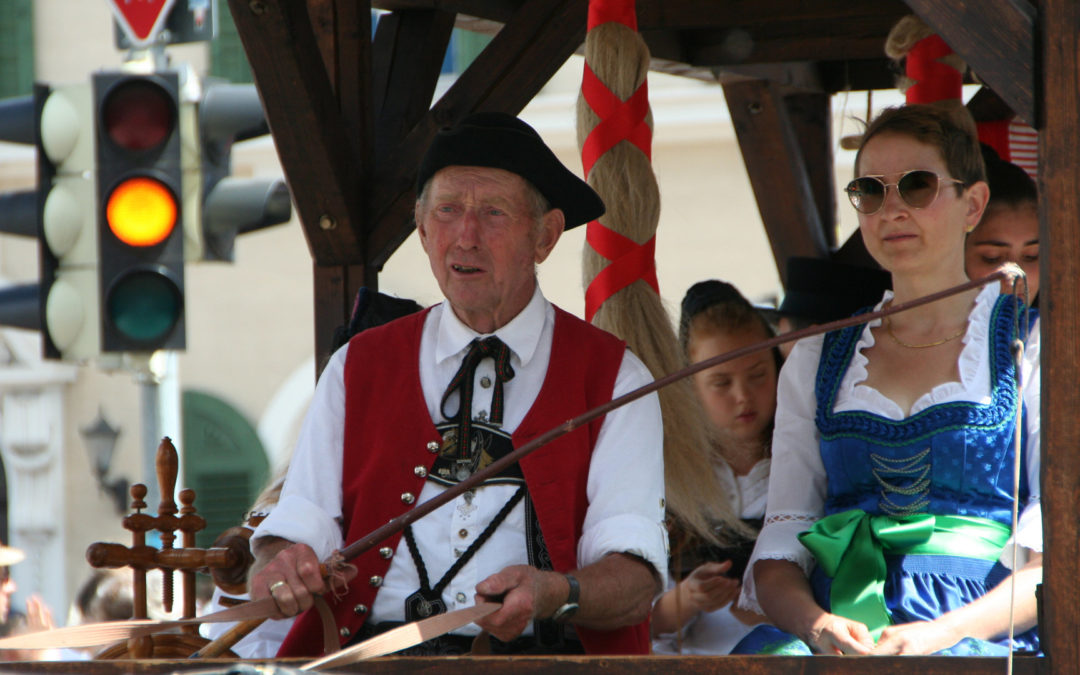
x=388 y=433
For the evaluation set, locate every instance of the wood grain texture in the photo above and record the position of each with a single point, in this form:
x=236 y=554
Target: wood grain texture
x=778 y=173
x=1059 y=300
x=996 y=38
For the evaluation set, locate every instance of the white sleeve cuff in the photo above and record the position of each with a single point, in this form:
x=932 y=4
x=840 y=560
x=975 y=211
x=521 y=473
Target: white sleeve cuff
x=298 y=520
x=626 y=533
x=778 y=540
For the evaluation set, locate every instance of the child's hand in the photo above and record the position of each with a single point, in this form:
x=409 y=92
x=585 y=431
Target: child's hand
x=707 y=589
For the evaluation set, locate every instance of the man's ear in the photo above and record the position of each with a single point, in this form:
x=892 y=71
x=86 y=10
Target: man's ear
x=551 y=228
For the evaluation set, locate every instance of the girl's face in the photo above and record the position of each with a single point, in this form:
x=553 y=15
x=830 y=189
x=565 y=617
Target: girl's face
x=739 y=396
x=1005 y=234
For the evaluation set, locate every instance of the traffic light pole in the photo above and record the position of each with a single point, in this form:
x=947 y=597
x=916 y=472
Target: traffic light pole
x=159 y=402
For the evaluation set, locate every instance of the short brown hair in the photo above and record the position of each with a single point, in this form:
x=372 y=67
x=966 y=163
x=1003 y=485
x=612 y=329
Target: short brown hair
x=946 y=126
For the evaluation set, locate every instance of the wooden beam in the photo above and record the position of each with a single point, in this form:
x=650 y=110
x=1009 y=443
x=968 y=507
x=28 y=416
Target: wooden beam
x=1059 y=301
x=811 y=121
x=519 y=60
x=310 y=132
x=996 y=38
x=778 y=172
x=408 y=54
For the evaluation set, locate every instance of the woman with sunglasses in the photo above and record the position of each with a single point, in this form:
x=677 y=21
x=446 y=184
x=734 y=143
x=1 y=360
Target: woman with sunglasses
x=888 y=529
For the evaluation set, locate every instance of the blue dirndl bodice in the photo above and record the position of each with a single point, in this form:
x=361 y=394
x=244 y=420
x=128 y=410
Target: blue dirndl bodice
x=952 y=458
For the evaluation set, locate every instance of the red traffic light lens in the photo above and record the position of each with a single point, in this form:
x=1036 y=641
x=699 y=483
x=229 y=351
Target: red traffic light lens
x=141 y=211
x=138 y=114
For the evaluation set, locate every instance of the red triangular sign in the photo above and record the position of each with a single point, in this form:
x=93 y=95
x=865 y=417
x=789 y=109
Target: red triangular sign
x=141 y=19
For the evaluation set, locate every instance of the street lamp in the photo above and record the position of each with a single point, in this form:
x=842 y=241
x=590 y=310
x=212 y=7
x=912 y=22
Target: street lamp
x=100 y=439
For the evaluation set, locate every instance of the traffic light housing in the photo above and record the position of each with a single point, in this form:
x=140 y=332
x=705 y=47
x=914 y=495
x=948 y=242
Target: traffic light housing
x=139 y=211
x=67 y=221
x=232 y=206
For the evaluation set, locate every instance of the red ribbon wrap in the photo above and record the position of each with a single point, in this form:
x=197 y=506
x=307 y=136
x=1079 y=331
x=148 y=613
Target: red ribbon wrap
x=619 y=121
x=934 y=80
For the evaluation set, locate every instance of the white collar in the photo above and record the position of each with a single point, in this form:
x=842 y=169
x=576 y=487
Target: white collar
x=521 y=334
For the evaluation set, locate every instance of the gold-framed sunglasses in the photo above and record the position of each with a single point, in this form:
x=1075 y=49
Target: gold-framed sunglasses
x=918 y=188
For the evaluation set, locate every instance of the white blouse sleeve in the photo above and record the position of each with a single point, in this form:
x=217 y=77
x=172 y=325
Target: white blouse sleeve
x=797 y=482
x=1029 y=526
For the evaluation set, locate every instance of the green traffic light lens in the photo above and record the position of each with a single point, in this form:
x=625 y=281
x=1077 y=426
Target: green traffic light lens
x=144 y=306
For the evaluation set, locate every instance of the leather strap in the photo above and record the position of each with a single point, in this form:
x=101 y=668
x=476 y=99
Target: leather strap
x=406 y=636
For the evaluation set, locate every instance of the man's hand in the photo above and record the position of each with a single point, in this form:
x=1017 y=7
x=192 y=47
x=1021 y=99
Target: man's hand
x=920 y=637
x=832 y=634
x=292 y=577
x=526 y=594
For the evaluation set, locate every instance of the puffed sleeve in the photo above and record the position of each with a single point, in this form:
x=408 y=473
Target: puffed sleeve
x=309 y=510
x=797 y=483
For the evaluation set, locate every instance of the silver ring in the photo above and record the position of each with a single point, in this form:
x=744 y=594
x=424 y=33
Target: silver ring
x=276 y=585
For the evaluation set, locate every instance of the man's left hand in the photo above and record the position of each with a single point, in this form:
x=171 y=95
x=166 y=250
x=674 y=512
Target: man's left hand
x=526 y=594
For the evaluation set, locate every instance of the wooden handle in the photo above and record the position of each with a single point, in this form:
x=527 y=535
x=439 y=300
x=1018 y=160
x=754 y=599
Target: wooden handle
x=228 y=639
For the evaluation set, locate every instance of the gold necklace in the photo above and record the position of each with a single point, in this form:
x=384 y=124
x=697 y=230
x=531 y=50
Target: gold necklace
x=888 y=329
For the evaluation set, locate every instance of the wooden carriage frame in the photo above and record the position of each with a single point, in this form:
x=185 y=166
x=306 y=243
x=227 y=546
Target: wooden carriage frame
x=350 y=114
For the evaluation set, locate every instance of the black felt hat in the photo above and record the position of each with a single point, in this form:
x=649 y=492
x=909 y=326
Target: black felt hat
x=821 y=290
x=501 y=141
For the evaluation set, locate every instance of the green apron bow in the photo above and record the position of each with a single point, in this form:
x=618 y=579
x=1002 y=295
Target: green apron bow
x=850 y=547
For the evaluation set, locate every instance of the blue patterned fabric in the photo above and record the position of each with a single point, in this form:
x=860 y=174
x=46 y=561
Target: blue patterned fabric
x=948 y=459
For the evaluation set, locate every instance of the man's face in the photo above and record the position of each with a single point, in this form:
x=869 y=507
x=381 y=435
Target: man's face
x=480 y=232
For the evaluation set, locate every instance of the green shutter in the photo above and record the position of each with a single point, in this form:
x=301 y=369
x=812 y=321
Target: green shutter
x=16 y=47
x=224 y=462
x=227 y=57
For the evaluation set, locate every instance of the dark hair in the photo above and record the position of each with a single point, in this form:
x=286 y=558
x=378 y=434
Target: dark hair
x=1009 y=184
x=948 y=127
x=719 y=306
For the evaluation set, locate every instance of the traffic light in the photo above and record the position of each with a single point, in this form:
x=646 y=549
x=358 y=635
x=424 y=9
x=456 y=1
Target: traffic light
x=140 y=209
x=231 y=205
x=67 y=221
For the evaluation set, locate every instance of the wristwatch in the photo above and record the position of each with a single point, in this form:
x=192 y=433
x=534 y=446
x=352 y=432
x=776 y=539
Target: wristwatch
x=570 y=607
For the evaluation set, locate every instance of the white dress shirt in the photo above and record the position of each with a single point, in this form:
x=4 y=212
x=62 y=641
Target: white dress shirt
x=625 y=487
x=797 y=483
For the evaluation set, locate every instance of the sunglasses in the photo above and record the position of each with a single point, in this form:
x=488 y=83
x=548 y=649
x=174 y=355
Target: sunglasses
x=918 y=188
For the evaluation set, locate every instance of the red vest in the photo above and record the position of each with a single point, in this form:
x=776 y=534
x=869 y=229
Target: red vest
x=386 y=446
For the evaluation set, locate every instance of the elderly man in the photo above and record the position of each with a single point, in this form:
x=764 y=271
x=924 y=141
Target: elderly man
x=571 y=539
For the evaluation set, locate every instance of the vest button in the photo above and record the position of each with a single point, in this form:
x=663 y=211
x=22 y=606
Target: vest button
x=375 y=580
x=420 y=470
x=433 y=446
x=463 y=533
x=359 y=609
x=345 y=633
x=386 y=552
x=460 y=597
x=407 y=497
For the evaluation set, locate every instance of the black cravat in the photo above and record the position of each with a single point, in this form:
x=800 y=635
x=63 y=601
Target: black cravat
x=463 y=382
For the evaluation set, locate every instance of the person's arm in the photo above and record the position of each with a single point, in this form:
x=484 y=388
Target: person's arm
x=622 y=551
x=304 y=527
x=785 y=595
x=616 y=591
x=986 y=618
x=797 y=476
x=706 y=589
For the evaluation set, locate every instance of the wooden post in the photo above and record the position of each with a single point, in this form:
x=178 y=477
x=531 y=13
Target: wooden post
x=1059 y=232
